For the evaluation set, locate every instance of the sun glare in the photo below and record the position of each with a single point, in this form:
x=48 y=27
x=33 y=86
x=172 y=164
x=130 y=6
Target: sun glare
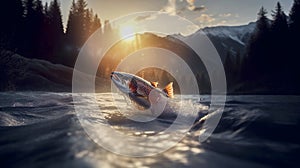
x=127 y=32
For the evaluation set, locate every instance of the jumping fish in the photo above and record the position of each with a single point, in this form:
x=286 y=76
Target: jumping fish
x=142 y=93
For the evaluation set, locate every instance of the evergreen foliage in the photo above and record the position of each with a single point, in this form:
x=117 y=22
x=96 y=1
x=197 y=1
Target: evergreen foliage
x=35 y=30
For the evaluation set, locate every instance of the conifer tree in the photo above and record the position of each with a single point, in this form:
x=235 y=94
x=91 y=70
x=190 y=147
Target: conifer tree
x=96 y=23
x=80 y=16
x=76 y=24
x=88 y=23
x=71 y=25
x=278 y=41
x=294 y=26
x=34 y=18
x=295 y=19
x=55 y=30
x=11 y=15
x=258 y=48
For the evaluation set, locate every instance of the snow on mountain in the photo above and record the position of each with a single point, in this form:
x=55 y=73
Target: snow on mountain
x=237 y=33
x=225 y=38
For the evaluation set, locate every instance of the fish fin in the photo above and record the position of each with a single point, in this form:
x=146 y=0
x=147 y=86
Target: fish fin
x=169 y=90
x=154 y=84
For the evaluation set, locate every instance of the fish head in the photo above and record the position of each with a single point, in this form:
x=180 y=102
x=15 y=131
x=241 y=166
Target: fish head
x=134 y=87
x=122 y=81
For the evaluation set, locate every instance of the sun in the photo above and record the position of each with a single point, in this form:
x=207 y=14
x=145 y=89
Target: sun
x=127 y=32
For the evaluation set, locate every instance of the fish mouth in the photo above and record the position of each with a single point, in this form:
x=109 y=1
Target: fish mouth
x=120 y=81
x=114 y=77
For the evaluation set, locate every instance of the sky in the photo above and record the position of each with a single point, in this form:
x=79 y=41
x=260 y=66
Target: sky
x=201 y=12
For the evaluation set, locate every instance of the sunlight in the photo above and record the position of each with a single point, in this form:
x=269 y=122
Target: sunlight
x=127 y=32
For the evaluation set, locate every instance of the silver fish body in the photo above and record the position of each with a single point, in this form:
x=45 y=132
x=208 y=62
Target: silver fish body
x=141 y=92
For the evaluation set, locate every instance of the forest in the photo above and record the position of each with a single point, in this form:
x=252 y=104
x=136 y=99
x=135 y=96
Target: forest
x=271 y=59
x=36 y=31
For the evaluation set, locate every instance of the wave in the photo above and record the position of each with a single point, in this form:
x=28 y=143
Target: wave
x=40 y=128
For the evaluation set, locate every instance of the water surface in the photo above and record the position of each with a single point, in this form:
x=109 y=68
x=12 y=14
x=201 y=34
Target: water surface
x=40 y=129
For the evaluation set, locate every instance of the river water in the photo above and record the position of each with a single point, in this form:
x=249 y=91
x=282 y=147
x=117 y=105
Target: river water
x=42 y=129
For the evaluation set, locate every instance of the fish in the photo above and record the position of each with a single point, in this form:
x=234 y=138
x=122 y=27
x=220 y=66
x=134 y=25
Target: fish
x=146 y=95
x=143 y=94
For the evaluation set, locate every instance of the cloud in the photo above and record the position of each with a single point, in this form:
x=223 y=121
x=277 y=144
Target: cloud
x=174 y=7
x=205 y=18
x=225 y=15
x=200 y=8
x=170 y=7
x=193 y=7
x=144 y=17
x=191 y=2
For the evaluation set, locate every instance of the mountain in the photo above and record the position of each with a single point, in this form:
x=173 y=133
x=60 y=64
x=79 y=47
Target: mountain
x=19 y=73
x=119 y=51
x=224 y=38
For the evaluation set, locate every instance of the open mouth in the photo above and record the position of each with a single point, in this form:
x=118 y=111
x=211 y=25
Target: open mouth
x=114 y=77
x=119 y=82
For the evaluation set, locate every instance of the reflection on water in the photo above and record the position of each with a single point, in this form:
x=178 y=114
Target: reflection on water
x=113 y=128
x=42 y=130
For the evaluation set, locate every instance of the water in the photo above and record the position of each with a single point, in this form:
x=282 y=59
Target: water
x=40 y=129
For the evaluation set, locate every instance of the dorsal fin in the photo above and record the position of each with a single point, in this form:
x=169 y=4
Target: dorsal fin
x=154 y=84
x=169 y=90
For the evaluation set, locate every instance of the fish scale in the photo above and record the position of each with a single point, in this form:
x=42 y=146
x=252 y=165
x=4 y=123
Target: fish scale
x=144 y=90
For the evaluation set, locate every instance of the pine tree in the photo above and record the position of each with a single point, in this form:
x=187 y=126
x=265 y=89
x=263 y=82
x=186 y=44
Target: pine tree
x=34 y=19
x=278 y=41
x=295 y=19
x=294 y=25
x=71 y=25
x=262 y=22
x=258 y=50
x=76 y=24
x=46 y=9
x=92 y=23
x=107 y=27
x=55 y=30
x=279 y=23
x=75 y=31
x=29 y=9
x=81 y=16
x=96 y=23
x=88 y=23
x=11 y=15
x=56 y=19
x=39 y=18
x=81 y=24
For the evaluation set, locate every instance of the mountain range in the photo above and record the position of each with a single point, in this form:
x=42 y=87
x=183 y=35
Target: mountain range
x=224 y=38
x=33 y=74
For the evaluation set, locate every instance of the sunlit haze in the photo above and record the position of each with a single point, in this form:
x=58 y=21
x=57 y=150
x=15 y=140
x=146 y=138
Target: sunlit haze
x=201 y=12
x=127 y=32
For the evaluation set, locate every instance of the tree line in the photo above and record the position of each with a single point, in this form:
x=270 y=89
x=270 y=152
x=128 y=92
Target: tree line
x=35 y=30
x=272 y=52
